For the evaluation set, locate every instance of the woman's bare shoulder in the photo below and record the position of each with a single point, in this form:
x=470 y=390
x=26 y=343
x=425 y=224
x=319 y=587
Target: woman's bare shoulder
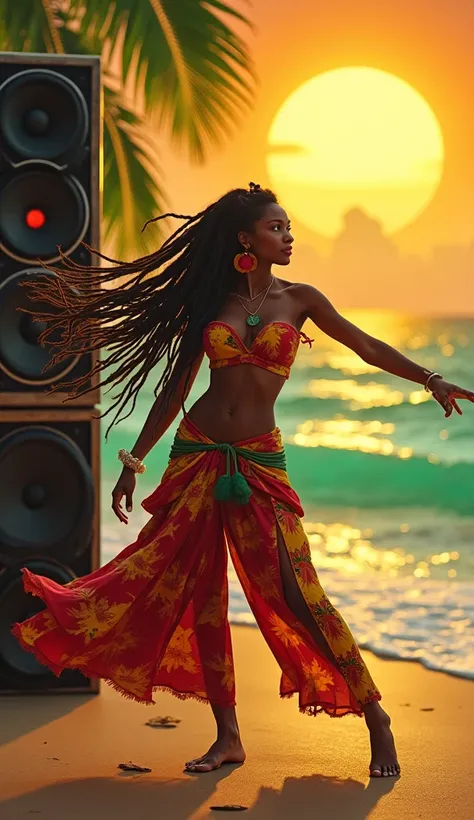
x=300 y=293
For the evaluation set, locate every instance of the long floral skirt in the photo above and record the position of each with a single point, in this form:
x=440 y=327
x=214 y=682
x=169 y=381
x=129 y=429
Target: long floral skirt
x=155 y=617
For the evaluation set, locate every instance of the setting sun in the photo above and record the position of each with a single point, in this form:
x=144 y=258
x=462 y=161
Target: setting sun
x=355 y=138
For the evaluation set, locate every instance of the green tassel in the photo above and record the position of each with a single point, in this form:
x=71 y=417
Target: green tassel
x=240 y=489
x=223 y=488
x=232 y=488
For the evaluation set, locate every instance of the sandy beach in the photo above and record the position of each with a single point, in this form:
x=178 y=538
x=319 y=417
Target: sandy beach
x=59 y=754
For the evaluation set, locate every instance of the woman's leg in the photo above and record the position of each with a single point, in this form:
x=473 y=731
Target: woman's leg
x=309 y=639
x=214 y=655
x=384 y=759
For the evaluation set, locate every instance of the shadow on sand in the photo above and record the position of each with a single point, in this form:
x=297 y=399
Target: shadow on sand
x=143 y=796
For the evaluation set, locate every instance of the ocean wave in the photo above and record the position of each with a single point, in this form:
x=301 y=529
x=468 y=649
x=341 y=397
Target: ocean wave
x=422 y=620
x=302 y=405
x=343 y=478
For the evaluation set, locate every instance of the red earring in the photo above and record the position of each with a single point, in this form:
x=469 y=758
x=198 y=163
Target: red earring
x=245 y=262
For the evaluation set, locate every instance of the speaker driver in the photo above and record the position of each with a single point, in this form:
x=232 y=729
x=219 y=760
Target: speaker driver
x=41 y=208
x=21 y=356
x=46 y=496
x=15 y=606
x=42 y=115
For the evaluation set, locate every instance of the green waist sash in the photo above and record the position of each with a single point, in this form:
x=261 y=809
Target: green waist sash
x=230 y=487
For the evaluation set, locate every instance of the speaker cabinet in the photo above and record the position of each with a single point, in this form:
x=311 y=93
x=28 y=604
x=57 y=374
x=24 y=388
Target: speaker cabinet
x=49 y=522
x=50 y=180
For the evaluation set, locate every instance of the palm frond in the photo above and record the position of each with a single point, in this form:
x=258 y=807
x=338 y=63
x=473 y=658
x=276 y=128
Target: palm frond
x=197 y=73
x=28 y=25
x=132 y=179
x=132 y=191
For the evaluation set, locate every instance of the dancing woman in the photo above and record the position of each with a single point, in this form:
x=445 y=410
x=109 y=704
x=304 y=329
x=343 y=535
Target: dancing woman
x=155 y=617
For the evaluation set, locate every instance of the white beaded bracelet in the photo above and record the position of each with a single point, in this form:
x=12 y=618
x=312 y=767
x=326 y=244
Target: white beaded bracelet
x=130 y=461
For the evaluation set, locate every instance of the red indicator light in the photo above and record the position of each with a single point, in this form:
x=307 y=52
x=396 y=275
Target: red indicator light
x=35 y=218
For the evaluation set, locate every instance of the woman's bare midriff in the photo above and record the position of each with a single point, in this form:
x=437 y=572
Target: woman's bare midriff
x=238 y=404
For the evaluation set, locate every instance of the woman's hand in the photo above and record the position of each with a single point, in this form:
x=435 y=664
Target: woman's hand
x=124 y=487
x=446 y=394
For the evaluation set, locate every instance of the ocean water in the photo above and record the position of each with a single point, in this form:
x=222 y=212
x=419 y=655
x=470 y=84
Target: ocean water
x=386 y=483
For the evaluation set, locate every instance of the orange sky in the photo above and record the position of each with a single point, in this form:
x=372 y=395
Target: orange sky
x=428 y=265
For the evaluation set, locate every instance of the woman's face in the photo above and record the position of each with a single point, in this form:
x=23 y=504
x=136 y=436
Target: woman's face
x=270 y=239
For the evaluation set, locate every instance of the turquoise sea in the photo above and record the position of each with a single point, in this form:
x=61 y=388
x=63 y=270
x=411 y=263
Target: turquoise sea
x=386 y=482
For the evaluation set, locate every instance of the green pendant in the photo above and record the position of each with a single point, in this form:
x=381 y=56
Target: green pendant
x=253 y=320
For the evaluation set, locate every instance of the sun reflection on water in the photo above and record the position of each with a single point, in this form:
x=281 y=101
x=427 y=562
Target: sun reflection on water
x=349 y=434
x=341 y=547
x=372 y=394
x=346 y=362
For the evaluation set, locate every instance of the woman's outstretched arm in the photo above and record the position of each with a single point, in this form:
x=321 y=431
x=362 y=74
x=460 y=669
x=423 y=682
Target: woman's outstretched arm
x=376 y=352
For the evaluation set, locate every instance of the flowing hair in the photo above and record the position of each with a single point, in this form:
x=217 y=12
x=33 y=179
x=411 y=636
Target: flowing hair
x=161 y=308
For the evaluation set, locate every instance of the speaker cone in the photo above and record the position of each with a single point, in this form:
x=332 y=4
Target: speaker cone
x=41 y=208
x=42 y=115
x=46 y=496
x=15 y=606
x=21 y=356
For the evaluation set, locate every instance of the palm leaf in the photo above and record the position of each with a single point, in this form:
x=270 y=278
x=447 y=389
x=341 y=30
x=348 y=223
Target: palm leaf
x=197 y=74
x=132 y=193
x=132 y=188
x=28 y=25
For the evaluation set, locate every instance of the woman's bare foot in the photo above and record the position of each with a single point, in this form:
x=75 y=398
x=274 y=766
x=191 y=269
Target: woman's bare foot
x=226 y=749
x=384 y=761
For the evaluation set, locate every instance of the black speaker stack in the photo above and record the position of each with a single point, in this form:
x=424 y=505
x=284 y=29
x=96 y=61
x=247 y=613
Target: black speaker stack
x=50 y=196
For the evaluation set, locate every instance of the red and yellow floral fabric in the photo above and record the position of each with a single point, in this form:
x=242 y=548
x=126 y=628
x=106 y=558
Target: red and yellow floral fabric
x=155 y=617
x=274 y=347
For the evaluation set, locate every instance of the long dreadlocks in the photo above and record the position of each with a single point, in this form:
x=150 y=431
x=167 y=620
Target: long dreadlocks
x=147 y=316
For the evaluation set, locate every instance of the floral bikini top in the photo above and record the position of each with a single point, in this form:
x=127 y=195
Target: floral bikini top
x=274 y=347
